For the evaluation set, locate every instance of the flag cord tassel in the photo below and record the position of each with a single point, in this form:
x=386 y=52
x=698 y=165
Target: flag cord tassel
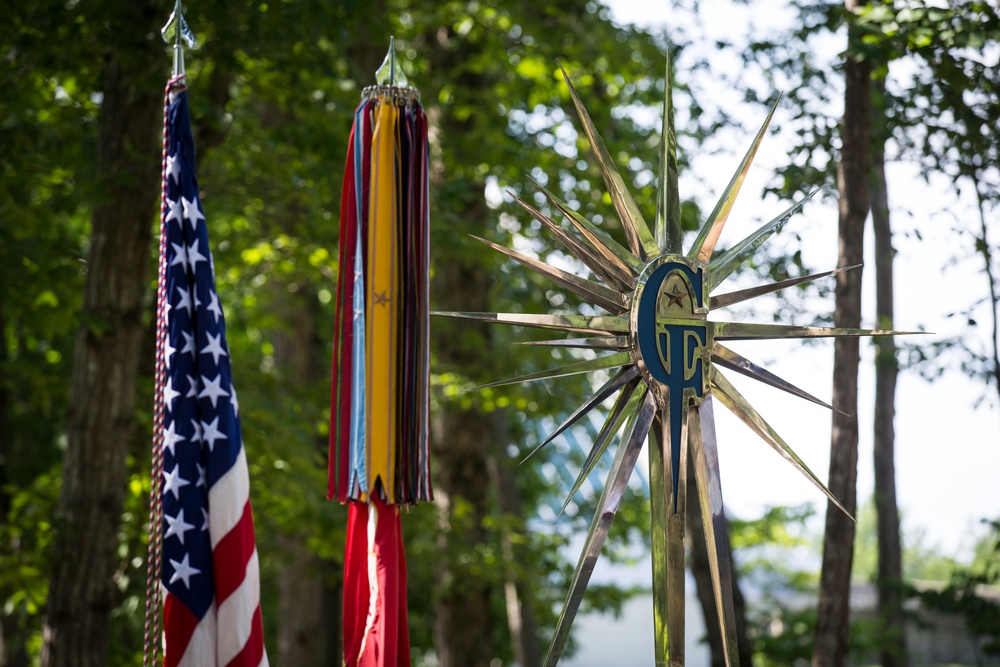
x=151 y=630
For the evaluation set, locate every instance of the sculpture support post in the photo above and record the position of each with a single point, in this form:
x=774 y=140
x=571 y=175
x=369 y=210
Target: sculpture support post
x=667 y=543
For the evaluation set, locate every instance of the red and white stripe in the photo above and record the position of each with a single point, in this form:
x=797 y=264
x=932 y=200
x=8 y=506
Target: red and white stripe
x=231 y=634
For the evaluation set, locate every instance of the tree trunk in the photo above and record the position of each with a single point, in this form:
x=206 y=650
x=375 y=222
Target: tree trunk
x=301 y=629
x=301 y=624
x=463 y=627
x=520 y=610
x=890 y=557
x=832 y=623
x=100 y=423
x=699 y=564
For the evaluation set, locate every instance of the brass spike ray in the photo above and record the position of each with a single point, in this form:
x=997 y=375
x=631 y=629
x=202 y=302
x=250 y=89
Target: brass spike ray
x=736 y=362
x=627 y=403
x=599 y=325
x=723 y=267
x=609 y=361
x=729 y=396
x=640 y=239
x=596 y=343
x=621 y=469
x=617 y=276
x=753 y=331
x=667 y=228
x=623 y=376
x=709 y=234
x=605 y=297
x=730 y=298
x=704 y=452
x=601 y=240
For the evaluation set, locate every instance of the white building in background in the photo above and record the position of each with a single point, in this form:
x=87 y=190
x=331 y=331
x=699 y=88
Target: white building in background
x=627 y=641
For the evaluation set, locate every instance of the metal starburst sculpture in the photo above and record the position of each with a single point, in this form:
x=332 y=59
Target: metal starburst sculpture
x=665 y=357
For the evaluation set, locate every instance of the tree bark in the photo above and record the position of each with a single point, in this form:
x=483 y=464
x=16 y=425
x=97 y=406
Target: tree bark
x=463 y=627
x=300 y=582
x=853 y=170
x=699 y=564
x=520 y=610
x=100 y=422
x=890 y=556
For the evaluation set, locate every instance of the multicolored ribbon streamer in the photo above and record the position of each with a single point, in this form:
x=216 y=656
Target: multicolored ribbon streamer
x=379 y=402
x=379 y=457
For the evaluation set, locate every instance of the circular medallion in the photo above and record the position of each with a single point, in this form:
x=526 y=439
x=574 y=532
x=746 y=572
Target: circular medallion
x=670 y=334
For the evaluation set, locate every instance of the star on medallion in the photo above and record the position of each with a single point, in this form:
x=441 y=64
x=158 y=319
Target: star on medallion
x=676 y=296
x=382 y=299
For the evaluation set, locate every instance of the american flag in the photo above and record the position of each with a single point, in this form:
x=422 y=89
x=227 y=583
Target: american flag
x=210 y=567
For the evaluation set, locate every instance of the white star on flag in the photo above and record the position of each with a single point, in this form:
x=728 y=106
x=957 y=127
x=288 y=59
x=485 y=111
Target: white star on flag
x=191 y=212
x=168 y=352
x=176 y=526
x=212 y=389
x=173 y=212
x=196 y=437
x=194 y=256
x=169 y=394
x=188 y=343
x=210 y=433
x=173 y=482
x=180 y=255
x=192 y=387
x=215 y=307
x=171 y=437
x=214 y=348
x=183 y=570
x=185 y=303
x=174 y=168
